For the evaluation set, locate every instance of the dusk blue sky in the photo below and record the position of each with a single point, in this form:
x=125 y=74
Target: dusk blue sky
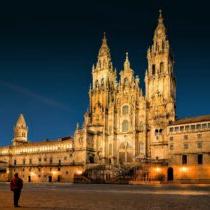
x=47 y=51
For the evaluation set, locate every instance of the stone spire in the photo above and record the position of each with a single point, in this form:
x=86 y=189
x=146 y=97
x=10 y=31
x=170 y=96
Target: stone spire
x=127 y=74
x=127 y=66
x=127 y=62
x=21 y=121
x=160 y=31
x=20 y=131
x=104 y=56
x=104 y=50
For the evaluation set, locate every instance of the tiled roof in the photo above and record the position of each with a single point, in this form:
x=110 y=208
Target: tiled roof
x=187 y=120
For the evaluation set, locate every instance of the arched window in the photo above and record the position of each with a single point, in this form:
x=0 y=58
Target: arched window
x=153 y=69
x=125 y=109
x=112 y=84
x=23 y=134
x=96 y=83
x=122 y=146
x=163 y=45
x=102 y=82
x=126 y=81
x=99 y=62
x=104 y=62
x=125 y=126
x=161 y=67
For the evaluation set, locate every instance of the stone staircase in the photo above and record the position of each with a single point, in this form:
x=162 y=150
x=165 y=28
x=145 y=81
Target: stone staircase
x=106 y=174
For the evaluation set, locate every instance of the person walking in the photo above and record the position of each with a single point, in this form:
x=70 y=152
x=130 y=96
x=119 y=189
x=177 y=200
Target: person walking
x=16 y=186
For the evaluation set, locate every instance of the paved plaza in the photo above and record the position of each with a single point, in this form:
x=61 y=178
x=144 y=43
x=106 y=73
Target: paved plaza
x=103 y=197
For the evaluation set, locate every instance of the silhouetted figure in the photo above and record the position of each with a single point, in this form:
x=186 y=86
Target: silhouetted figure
x=16 y=186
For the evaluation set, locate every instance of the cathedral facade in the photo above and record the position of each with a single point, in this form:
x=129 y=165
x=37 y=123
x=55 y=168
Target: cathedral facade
x=123 y=127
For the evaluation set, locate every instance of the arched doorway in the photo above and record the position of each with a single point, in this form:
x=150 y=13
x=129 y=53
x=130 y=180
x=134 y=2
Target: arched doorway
x=59 y=178
x=125 y=153
x=49 y=178
x=170 y=174
x=121 y=157
x=91 y=159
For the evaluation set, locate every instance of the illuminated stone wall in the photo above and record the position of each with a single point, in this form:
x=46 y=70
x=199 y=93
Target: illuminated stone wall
x=37 y=162
x=122 y=125
x=189 y=147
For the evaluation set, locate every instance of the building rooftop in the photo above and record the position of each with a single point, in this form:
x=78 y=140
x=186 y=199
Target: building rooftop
x=41 y=143
x=49 y=141
x=58 y=139
x=202 y=118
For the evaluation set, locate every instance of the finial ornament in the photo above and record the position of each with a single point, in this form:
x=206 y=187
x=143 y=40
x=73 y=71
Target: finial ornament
x=104 y=40
x=127 y=63
x=126 y=55
x=160 y=12
x=104 y=37
x=104 y=56
x=160 y=19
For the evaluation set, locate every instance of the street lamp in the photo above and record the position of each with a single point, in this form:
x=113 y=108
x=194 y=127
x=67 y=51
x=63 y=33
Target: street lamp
x=184 y=169
x=158 y=169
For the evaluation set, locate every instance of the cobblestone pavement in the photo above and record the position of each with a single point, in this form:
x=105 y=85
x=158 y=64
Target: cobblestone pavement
x=80 y=197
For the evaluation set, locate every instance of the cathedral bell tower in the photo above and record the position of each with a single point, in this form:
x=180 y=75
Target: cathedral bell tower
x=20 y=131
x=103 y=84
x=101 y=96
x=160 y=89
